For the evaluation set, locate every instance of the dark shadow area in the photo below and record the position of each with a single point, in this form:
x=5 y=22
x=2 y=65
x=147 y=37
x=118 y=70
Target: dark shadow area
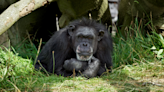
x=27 y=31
x=47 y=25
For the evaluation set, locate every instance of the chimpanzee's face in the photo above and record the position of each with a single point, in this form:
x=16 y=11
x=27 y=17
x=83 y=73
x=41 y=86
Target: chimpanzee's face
x=85 y=40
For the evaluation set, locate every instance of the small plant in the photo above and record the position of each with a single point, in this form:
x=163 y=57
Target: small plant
x=158 y=47
x=11 y=63
x=26 y=50
x=159 y=53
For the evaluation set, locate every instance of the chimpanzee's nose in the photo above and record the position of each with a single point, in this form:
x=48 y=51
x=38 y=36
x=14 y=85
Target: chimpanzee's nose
x=84 y=44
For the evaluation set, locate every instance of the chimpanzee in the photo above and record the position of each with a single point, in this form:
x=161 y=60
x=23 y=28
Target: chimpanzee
x=84 y=46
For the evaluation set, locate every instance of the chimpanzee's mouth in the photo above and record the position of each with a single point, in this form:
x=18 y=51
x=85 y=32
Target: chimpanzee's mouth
x=84 y=56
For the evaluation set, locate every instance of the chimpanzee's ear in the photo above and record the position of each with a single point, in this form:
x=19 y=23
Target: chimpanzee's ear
x=71 y=29
x=101 y=34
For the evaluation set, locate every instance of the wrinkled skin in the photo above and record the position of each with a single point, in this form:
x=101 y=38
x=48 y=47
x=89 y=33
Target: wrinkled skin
x=85 y=41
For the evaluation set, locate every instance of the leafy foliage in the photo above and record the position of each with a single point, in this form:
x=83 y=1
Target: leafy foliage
x=11 y=64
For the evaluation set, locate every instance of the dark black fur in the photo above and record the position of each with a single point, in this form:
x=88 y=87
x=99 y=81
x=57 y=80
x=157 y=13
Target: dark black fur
x=60 y=43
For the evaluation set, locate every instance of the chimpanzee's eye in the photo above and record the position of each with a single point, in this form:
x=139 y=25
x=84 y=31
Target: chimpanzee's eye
x=90 y=37
x=80 y=36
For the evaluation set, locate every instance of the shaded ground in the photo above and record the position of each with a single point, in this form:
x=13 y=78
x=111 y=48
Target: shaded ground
x=144 y=77
x=18 y=74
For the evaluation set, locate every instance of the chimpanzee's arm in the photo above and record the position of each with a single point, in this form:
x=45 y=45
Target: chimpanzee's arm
x=73 y=63
x=89 y=71
x=93 y=68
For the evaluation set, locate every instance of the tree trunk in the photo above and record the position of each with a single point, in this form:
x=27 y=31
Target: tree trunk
x=18 y=10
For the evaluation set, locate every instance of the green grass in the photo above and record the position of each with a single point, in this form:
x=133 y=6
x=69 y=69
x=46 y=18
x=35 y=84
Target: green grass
x=18 y=74
x=137 y=45
x=132 y=50
x=26 y=49
x=138 y=67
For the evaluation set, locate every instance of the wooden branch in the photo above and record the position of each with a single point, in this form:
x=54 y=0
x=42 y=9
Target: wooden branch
x=17 y=10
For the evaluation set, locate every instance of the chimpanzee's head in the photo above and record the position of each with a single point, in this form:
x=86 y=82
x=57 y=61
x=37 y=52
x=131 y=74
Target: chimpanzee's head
x=84 y=41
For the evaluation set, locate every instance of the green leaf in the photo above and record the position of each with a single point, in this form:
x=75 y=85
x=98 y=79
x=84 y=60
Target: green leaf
x=136 y=1
x=153 y=48
x=160 y=52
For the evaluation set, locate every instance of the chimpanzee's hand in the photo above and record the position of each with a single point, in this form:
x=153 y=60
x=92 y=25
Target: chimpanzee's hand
x=73 y=63
x=92 y=68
